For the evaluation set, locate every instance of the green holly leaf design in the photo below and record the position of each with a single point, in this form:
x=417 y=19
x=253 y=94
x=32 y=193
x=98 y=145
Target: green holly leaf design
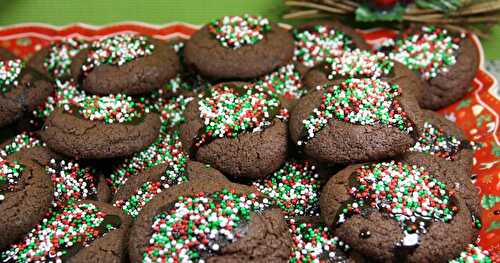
x=482 y=119
x=364 y=13
x=494 y=225
x=489 y=201
x=495 y=149
x=463 y=104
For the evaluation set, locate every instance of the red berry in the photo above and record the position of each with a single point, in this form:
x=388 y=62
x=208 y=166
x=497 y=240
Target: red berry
x=384 y=3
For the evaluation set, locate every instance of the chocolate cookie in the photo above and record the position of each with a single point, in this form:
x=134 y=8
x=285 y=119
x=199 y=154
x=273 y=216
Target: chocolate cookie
x=5 y=54
x=83 y=232
x=22 y=90
x=397 y=212
x=138 y=191
x=313 y=242
x=475 y=253
x=172 y=112
x=186 y=82
x=442 y=145
x=66 y=92
x=238 y=47
x=285 y=81
x=70 y=181
x=316 y=43
x=54 y=60
x=360 y=119
x=238 y=128
x=101 y=127
x=22 y=141
x=356 y=63
x=445 y=61
x=165 y=152
x=210 y=221
x=25 y=197
x=294 y=188
x=125 y=64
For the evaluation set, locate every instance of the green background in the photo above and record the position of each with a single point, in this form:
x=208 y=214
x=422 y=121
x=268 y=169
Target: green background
x=99 y=12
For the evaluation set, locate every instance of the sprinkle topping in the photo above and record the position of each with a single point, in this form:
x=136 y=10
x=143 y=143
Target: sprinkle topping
x=109 y=109
x=430 y=51
x=71 y=182
x=475 y=254
x=285 y=81
x=9 y=176
x=320 y=44
x=238 y=31
x=166 y=149
x=61 y=54
x=360 y=63
x=74 y=227
x=150 y=189
x=191 y=82
x=358 y=101
x=117 y=50
x=20 y=142
x=140 y=199
x=227 y=111
x=10 y=70
x=200 y=224
x=407 y=193
x=436 y=142
x=315 y=244
x=172 y=112
x=65 y=95
x=294 y=188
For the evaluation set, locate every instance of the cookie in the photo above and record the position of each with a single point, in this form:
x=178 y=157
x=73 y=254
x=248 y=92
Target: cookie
x=294 y=188
x=445 y=61
x=83 y=232
x=22 y=90
x=397 y=212
x=71 y=182
x=165 y=152
x=25 y=197
x=5 y=54
x=356 y=63
x=286 y=82
x=138 y=191
x=125 y=63
x=54 y=60
x=238 y=47
x=319 y=42
x=186 y=82
x=172 y=112
x=65 y=93
x=314 y=242
x=442 y=144
x=237 y=128
x=101 y=127
x=475 y=253
x=360 y=119
x=22 y=141
x=210 y=221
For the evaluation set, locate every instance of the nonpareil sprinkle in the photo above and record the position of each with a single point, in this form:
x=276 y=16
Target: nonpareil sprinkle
x=238 y=31
x=362 y=101
x=10 y=71
x=117 y=50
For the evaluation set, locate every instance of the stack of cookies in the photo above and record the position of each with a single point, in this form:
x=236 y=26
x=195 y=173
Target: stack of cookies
x=248 y=142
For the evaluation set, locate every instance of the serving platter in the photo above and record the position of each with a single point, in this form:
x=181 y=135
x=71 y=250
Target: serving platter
x=477 y=113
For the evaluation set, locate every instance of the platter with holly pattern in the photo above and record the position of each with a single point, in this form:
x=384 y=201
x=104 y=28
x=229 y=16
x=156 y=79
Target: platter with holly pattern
x=477 y=113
